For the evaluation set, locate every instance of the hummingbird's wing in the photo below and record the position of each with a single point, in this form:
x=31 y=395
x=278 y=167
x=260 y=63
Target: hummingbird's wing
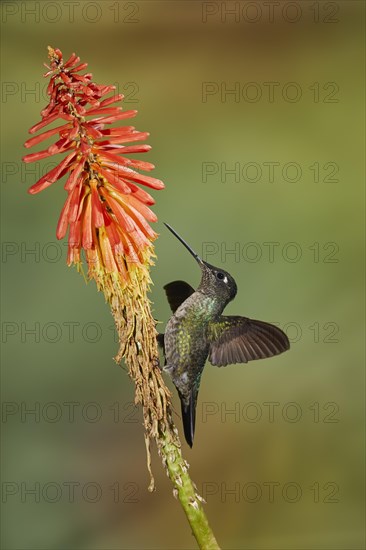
x=160 y=339
x=161 y=344
x=177 y=292
x=236 y=339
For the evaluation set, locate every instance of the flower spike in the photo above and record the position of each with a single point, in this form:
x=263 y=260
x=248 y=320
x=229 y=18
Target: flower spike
x=105 y=211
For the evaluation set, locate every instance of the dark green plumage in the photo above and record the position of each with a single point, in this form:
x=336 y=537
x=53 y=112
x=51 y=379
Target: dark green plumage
x=197 y=331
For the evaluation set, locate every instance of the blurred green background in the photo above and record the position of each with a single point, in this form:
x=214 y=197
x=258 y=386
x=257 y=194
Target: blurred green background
x=285 y=470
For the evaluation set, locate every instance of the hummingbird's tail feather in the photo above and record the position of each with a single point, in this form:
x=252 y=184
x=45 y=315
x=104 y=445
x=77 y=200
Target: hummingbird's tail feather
x=189 y=415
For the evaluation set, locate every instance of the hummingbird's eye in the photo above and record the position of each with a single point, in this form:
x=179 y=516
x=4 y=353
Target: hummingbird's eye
x=220 y=275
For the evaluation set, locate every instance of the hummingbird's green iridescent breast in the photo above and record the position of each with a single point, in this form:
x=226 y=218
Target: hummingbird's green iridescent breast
x=186 y=338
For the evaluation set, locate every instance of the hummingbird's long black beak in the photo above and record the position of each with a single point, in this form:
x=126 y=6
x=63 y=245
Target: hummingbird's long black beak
x=194 y=254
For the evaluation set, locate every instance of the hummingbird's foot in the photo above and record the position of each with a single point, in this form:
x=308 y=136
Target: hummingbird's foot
x=160 y=339
x=157 y=364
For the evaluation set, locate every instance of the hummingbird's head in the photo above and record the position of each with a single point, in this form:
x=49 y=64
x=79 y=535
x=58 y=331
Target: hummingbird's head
x=215 y=282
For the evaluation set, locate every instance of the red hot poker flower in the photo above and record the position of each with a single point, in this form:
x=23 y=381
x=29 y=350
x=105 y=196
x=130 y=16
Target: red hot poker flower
x=106 y=212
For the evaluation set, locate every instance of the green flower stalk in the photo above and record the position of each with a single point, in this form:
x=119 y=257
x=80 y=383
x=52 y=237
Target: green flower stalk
x=107 y=214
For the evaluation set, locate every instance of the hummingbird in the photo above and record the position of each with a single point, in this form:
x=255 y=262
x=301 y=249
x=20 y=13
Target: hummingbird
x=197 y=330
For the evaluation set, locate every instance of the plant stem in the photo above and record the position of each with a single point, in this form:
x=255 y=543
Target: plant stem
x=185 y=491
x=138 y=347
